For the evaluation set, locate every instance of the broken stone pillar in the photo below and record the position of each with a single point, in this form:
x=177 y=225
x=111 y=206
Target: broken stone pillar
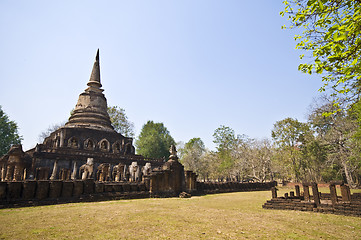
x=286 y=195
x=333 y=194
x=9 y=173
x=274 y=192
x=3 y=173
x=292 y=194
x=297 y=188
x=316 y=195
x=306 y=192
x=73 y=174
x=18 y=173
x=345 y=193
x=55 y=169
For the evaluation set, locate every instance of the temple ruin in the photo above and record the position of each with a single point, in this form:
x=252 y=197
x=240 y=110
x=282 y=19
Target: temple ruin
x=87 y=160
x=346 y=204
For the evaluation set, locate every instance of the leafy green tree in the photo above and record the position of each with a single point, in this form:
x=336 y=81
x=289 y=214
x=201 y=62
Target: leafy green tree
x=192 y=156
x=9 y=134
x=226 y=141
x=120 y=121
x=290 y=134
x=337 y=131
x=332 y=37
x=225 y=138
x=154 y=140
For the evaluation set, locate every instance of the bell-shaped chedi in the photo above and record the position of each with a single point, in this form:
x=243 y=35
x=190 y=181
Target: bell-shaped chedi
x=91 y=109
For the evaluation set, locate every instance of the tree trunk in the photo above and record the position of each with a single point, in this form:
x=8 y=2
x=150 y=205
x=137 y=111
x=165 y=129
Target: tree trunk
x=348 y=175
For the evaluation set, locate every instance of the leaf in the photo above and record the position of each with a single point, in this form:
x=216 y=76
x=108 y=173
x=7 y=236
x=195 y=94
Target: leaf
x=340 y=37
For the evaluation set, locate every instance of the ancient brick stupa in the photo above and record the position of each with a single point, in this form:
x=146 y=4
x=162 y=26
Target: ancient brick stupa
x=91 y=110
x=87 y=136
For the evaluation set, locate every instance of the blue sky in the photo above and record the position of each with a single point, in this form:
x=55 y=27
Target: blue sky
x=193 y=65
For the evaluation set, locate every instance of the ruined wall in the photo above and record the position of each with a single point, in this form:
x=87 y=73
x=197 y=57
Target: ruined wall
x=43 y=192
x=346 y=204
x=223 y=187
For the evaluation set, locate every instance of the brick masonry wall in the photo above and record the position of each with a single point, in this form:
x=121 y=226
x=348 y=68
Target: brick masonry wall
x=46 y=192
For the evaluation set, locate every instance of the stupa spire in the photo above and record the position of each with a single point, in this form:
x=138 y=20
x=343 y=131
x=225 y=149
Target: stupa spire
x=91 y=109
x=94 y=80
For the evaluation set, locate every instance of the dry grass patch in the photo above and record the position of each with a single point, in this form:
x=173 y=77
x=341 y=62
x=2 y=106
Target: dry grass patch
x=221 y=216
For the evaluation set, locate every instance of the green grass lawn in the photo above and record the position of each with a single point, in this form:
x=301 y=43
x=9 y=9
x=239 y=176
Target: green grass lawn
x=219 y=216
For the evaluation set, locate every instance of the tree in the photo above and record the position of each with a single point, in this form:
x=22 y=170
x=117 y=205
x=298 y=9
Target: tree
x=46 y=133
x=192 y=156
x=261 y=161
x=154 y=140
x=9 y=134
x=337 y=131
x=226 y=141
x=332 y=34
x=120 y=121
x=290 y=134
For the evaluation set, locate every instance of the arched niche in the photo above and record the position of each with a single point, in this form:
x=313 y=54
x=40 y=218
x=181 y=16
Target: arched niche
x=73 y=142
x=104 y=145
x=117 y=147
x=129 y=149
x=89 y=144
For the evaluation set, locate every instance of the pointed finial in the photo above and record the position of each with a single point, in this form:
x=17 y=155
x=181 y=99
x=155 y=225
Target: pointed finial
x=97 y=57
x=94 y=80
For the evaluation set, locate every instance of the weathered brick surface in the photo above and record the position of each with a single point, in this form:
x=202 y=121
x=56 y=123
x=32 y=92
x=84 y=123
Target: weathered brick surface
x=3 y=187
x=322 y=205
x=42 y=189
x=55 y=188
x=29 y=188
x=67 y=189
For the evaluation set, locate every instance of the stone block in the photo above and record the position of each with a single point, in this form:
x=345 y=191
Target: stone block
x=117 y=188
x=333 y=194
x=42 y=189
x=78 y=188
x=14 y=190
x=89 y=186
x=142 y=187
x=126 y=187
x=297 y=189
x=316 y=195
x=200 y=186
x=3 y=187
x=67 y=189
x=108 y=187
x=274 y=192
x=133 y=187
x=55 y=188
x=306 y=192
x=29 y=189
x=99 y=187
x=345 y=193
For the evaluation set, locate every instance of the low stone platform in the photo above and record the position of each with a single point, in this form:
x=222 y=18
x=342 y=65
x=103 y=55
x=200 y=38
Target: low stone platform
x=348 y=204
